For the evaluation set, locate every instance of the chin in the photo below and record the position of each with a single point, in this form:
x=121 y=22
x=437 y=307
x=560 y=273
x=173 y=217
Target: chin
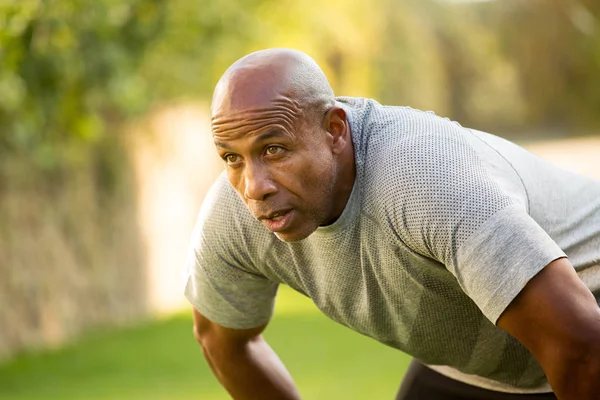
x=294 y=236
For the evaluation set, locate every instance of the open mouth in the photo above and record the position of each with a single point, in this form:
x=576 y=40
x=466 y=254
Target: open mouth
x=278 y=221
x=277 y=217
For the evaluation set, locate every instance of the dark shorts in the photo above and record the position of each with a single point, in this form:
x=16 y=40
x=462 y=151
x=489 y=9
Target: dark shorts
x=422 y=383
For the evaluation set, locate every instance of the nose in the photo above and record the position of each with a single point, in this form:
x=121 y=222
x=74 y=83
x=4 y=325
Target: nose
x=258 y=182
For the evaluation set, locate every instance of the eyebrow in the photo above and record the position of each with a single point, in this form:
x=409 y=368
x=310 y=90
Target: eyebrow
x=223 y=145
x=263 y=136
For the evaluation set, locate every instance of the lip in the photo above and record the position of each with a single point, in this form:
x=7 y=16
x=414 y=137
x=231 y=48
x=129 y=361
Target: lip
x=280 y=225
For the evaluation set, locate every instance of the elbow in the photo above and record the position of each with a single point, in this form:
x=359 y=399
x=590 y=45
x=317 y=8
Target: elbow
x=590 y=358
x=585 y=358
x=574 y=371
x=584 y=354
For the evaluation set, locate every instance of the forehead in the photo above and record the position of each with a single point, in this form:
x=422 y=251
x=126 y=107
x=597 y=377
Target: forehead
x=281 y=116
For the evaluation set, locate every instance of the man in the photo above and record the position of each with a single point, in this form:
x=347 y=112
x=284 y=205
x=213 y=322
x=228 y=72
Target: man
x=444 y=242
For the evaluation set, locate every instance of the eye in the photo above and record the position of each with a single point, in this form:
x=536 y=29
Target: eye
x=273 y=150
x=231 y=159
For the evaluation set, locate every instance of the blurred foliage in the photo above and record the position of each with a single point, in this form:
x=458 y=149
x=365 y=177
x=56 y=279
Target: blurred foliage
x=71 y=69
x=499 y=65
x=506 y=64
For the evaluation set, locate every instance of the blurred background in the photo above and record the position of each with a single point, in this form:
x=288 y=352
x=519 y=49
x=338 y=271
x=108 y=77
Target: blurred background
x=106 y=153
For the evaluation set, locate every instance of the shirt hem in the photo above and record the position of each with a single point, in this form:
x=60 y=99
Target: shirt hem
x=485 y=383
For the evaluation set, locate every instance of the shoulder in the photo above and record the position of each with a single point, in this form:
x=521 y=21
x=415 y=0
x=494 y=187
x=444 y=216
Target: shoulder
x=425 y=178
x=220 y=204
x=402 y=143
x=225 y=226
x=417 y=153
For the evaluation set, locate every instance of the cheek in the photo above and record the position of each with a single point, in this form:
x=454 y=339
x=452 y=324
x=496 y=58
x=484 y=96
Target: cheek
x=318 y=179
x=309 y=176
x=236 y=181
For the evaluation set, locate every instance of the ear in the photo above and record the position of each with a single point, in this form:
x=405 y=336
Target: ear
x=336 y=125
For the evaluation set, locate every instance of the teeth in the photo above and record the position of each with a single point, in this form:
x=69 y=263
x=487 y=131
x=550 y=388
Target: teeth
x=277 y=217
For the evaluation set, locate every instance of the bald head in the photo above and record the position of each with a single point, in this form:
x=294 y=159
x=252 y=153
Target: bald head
x=268 y=77
x=284 y=140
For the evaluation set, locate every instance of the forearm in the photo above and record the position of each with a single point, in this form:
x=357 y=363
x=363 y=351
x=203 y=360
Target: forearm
x=557 y=318
x=250 y=371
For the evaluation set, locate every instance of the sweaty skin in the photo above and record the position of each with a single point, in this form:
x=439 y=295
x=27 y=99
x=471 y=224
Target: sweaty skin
x=286 y=144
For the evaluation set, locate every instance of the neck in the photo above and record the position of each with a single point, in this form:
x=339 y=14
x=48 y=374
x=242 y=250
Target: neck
x=345 y=183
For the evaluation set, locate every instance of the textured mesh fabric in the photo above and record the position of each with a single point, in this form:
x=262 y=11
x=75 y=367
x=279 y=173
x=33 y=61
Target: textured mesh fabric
x=444 y=227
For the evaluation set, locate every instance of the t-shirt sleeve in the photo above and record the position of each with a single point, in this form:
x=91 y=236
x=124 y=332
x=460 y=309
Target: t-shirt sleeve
x=221 y=282
x=495 y=263
x=449 y=208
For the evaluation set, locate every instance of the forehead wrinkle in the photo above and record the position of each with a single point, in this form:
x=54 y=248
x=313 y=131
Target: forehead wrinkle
x=287 y=110
x=246 y=128
x=251 y=118
x=239 y=128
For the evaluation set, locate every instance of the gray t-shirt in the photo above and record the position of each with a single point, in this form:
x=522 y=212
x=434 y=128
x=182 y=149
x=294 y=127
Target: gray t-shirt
x=444 y=227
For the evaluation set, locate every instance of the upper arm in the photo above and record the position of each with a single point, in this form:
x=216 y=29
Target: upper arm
x=223 y=281
x=555 y=316
x=205 y=329
x=450 y=208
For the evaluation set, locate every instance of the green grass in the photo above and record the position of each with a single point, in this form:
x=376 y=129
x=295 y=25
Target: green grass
x=160 y=360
